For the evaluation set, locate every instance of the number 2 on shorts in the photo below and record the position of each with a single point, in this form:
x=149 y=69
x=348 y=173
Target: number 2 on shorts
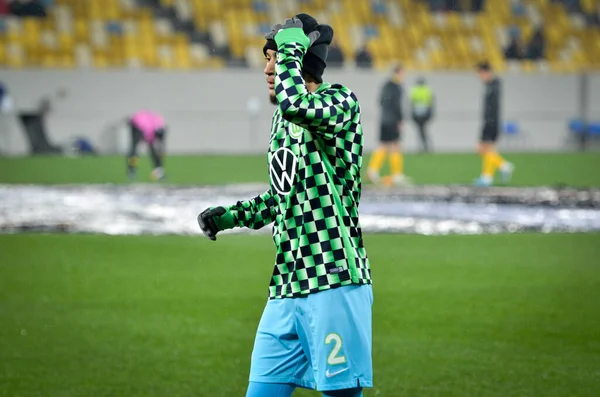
x=333 y=358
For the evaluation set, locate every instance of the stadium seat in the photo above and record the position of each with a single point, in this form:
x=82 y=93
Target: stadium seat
x=395 y=31
x=515 y=137
x=594 y=128
x=576 y=126
x=511 y=128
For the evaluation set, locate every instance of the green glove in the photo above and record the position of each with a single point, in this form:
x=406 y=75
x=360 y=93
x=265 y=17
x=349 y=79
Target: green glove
x=213 y=220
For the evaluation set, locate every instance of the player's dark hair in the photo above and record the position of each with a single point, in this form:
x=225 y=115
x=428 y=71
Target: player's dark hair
x=484 y=66
x=309 y=78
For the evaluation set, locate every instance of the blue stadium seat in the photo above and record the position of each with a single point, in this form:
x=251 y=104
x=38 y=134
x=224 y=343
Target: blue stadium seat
x=511 y=128
x=260 y=7
x=264 y=28
x=594 y=128
x=515 y=137
x=576 y=126
x=379 y=8
x=113 y=27
x=514 y=31
x=518 y=9
x=371 y=31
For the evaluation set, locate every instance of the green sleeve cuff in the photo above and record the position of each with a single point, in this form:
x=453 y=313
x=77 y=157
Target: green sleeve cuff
x=292 y=35
x=225 y=221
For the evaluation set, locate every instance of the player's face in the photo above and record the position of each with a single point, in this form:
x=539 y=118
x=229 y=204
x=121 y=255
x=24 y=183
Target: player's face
x=484 y=75
x=270 y=59
x=400 y=75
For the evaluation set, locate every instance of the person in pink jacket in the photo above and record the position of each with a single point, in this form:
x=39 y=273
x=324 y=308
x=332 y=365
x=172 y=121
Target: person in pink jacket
x=149 y=127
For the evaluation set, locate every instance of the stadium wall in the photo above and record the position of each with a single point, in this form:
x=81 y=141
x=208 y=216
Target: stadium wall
x=208 y=112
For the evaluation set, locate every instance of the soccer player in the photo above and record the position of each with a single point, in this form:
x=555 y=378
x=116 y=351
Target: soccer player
x=491 y=160
x=149 y=127
x=315 y=331
x=390 y=101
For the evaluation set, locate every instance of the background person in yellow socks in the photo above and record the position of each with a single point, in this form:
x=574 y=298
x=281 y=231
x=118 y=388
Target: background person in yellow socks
x=491 y=160
x=390 y=101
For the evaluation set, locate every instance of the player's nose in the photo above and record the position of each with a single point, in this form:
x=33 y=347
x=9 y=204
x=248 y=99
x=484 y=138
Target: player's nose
x=270 y=68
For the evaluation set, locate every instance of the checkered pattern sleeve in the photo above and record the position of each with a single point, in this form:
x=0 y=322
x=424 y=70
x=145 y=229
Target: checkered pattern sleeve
x=255 y=213
x=327 y=111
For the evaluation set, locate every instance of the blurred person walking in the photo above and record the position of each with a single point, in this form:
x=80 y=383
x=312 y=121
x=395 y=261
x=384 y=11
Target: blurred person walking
x=390 y=128
x=491 y=160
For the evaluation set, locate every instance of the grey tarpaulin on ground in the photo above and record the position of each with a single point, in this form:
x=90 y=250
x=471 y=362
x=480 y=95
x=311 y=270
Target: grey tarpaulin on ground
x=164 y=209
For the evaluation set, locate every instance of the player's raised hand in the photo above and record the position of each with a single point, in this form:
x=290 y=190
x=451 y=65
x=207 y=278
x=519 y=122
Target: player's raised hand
x=296 y=22
x=274 y=30
x=214 y=219
x=291 y=23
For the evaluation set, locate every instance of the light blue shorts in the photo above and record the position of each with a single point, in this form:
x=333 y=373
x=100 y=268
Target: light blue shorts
x=321 y=342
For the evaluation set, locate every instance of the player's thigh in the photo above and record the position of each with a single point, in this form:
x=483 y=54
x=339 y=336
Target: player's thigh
x=160 y=134
x=135 y=133
x=277 y=356
x=389 y=133
x=422 y=123
x=136 y=137
x=354 y=392
x=336 y=327
x=392 y=146
x=259 y=389
x=489 y=135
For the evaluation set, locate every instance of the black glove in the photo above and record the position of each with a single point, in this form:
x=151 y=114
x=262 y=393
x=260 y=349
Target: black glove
x=214 y=219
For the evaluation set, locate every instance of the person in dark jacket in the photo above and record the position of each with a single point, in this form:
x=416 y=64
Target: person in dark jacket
x=491 y=160
x=514 y=49
x=390 y=101
x=335 y=57
x=363 y=59
x=536 y=49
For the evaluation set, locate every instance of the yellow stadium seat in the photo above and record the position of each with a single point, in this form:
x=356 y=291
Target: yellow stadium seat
x=3 y=45
x=50 y=60
x=381 y=64
x=182 y=58
x=216 y=63
x=438 y=59
x=236 y=23
x=589 y=6
x=528 y=66
x=100 y=61
x=15 y=56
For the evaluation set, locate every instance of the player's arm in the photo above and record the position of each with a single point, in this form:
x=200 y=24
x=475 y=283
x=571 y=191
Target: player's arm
x=254 y=214
x=397 y=102
x=326 y=112
x=384 y=95
x=493 y=105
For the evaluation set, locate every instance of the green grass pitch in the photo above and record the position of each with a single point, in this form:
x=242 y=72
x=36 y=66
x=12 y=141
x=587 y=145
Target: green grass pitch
x=533 y=169
x=505 y=315
x=485 y=316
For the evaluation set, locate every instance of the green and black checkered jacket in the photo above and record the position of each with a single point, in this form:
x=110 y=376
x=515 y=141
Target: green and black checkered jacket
x=314 y=158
